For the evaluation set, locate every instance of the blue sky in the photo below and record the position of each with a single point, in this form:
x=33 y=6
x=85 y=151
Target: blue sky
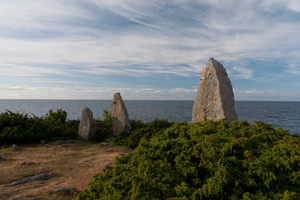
x=148 y=50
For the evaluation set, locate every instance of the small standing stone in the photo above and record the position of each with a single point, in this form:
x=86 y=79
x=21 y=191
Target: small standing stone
x=214 y=100
x=119 y=116
x=87 y=126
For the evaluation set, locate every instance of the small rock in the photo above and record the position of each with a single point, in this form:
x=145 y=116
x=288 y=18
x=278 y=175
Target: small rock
x=121 y=154
x=64 y=190
x=107 y=140
x=132 y=151
x=42 y=176
x=25 y=198
x=65 y=142
x=47 y=145
x=111 y=150
x=27 y=163
x=109 y=163
x=16 y=148
x=104 y=143
x=43 y=141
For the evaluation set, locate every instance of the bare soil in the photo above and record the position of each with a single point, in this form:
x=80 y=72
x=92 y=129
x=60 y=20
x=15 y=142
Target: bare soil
x=66 y=165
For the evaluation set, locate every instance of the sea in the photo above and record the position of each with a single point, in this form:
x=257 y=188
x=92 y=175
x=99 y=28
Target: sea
x=278 y=114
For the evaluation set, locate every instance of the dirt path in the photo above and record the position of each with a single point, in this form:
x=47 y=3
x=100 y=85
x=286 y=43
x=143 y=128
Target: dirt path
x=66 y=165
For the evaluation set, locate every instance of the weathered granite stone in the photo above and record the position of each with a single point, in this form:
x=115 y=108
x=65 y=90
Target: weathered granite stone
x=109 y=163
x=107 y=151
x=43 y=141
x=25 y=198
x=87 y=126
x=64 y=190
x=119 y=115
x=27 y=163
x=16 y=148
x=42 y=176
x=65 y=142
x=214 y=100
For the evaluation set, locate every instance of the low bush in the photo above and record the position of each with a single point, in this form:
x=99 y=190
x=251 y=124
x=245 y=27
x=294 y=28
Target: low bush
x=103 y=127
x=59 y=116
x=205 y=160
x=22 y=128
x=140 y=130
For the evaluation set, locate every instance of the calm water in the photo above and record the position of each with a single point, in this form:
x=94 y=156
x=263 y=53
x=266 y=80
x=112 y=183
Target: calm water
x=279 y=114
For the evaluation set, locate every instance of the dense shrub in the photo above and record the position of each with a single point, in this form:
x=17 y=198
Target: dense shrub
x=22 y=128
x=140 y=130
x=103 y=128
x=206 y=160
x=59 y=116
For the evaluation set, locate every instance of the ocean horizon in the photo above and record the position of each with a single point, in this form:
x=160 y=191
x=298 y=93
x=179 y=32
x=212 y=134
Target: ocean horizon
x=285 y=114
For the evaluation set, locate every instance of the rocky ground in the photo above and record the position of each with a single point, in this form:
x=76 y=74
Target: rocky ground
x=68 y=166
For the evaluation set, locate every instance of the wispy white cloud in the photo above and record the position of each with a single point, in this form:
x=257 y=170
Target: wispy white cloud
x=241 y=72
x=293 y=69
x=177 y=90
x=148 y=38
x=244 y=37
x=59 y=92
x=267 y=95
x=27 y=70
x=252 y=91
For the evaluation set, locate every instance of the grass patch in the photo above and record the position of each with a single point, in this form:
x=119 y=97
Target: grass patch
x=71 y=167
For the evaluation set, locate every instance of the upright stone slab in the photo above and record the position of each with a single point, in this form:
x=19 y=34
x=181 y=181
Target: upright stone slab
x=87 y=126
x=214 y=100
x=119 y=115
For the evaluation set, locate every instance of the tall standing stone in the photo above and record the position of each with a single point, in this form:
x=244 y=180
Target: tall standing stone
x=87 y=126
x=214 y=100
x=119 y=115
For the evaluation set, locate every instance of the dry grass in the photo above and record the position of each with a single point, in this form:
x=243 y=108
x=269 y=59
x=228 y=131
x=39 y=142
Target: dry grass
x=67 y=166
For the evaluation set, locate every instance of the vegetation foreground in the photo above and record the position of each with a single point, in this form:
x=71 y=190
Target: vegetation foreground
x=205 y=160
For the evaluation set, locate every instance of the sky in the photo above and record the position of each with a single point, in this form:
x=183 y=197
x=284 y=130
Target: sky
x=148 y=50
